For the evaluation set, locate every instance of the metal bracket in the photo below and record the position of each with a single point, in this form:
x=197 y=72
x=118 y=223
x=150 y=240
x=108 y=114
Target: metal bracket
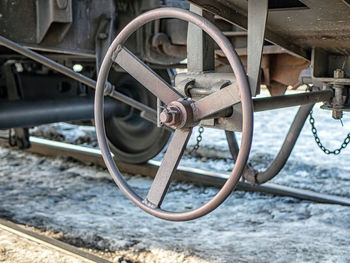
x=200 y=47
x=197 y=86
x=103 y=39
x=54 y=14
x=21 y=136
x=257 y=17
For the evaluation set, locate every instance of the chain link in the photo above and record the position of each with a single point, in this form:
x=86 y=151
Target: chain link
x=199 y=139
x=318 y=141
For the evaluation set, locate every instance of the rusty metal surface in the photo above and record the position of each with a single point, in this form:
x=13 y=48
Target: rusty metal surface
x=145 y=75
x=260 y=177
x=257 y=16
x=217 y=102
x=242 y=82
x=169 y=164
x=162 y=43
x=286 y=148
x=276 y=102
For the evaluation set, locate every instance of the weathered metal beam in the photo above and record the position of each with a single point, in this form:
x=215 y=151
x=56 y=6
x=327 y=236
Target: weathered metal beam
x=277 y=102
x=239 y=18
x=200 y=47
x=257 y=16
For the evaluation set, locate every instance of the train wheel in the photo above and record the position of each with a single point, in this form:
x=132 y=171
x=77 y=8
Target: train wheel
x=180 y=113
x=133 y=139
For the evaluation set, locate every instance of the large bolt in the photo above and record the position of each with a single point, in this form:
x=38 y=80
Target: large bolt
x=338 y=73
x=170 y=116
x=337 y=114
x=338 y=96
x=165 y=117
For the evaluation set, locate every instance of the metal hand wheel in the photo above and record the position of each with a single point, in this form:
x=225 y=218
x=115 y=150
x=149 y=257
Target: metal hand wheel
x=180 y=113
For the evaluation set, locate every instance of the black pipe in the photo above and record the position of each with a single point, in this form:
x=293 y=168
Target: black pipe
x=20 y=114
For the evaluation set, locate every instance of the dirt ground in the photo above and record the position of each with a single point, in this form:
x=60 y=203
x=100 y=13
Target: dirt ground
x=20 y=250
x=15 y=249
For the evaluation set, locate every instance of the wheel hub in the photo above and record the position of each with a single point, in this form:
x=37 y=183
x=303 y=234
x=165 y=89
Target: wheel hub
x=178 y=114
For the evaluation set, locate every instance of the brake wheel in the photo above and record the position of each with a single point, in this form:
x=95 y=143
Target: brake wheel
x=181 y=114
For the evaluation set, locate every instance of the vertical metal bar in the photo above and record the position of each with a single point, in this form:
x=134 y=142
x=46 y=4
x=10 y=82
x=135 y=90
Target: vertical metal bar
x=200 y=47
x=257 y=16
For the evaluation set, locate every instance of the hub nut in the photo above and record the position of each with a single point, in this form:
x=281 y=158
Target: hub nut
x=171 y=116
x=178 y=114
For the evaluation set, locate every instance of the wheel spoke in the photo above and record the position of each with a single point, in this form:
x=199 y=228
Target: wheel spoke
x=146 y=76
x=217 y=101
x=171 y=160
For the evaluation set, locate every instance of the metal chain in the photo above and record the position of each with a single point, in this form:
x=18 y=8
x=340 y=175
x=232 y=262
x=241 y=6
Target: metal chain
x=318 y=141
x=199 y=139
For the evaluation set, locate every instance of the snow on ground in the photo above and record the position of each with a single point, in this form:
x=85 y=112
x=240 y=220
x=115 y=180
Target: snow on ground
x=84 y=203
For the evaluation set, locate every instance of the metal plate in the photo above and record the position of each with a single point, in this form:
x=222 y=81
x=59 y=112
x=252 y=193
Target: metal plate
x=324 y=23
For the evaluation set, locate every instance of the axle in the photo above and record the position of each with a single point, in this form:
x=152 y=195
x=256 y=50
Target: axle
x=15 y=114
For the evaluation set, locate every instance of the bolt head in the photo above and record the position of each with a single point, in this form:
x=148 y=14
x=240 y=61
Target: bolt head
x=102 y=36
x=165 y=116
x=338 y=73
x=337 y=114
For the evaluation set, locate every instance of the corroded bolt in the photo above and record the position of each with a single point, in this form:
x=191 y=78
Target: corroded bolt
x=170 y=116
x=102 y=36
x=338 y=73
x=337 y=114
x=165 y=116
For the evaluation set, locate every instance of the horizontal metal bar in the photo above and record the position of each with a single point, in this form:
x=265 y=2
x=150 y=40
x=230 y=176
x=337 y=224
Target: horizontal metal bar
x=277 y=102
x=15 y=114
x=88 y=155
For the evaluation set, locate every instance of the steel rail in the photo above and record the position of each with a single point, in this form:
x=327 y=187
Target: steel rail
x=191 y=175
x=50 y=242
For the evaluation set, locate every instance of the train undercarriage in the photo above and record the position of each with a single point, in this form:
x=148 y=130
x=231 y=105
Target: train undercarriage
x=165 y=67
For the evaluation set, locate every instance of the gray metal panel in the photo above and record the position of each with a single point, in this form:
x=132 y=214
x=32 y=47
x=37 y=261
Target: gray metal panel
x=324 y=23
x=18 y=22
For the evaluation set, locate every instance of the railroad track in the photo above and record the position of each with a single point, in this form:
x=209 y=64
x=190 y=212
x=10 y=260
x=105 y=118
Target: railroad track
x=50 y=242
x=88 y=155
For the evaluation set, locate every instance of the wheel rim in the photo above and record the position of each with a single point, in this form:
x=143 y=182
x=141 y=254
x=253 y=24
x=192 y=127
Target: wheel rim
x=247 y=109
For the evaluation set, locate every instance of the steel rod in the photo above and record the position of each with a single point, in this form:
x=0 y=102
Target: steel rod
x=256 y=177
x=287 y=147
x=277 y=102
x=16 y=114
